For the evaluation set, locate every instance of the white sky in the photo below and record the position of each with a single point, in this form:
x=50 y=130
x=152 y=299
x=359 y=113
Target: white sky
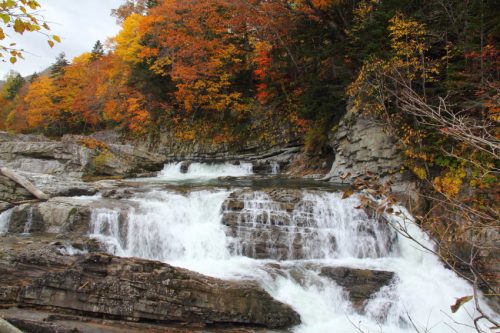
x=79 y=23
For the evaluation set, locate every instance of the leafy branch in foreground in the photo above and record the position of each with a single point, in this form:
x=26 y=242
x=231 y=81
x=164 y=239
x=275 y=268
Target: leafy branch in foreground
x=20 y=16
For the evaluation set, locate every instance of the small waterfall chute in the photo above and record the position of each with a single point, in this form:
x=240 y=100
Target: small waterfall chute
x=180 y=171
x=5 y=220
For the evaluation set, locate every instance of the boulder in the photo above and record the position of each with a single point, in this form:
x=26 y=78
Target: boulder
x=185 y=166
x=102 y=285
x=360 y=284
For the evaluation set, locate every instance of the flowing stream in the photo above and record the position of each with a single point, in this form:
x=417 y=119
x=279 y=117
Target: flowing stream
x=187 y=229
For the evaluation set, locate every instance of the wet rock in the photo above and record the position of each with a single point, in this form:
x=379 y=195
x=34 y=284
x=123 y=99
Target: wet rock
x=36 y=321
x=54 y=216
x=281 y=224
x=63 y=215
x=117 y=194
x=26 y=219
x=184 y=168
x=101 y=285
x=360 y=284
x=266 y=233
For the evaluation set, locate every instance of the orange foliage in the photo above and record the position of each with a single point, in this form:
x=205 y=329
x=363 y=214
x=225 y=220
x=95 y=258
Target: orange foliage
x=41 y=108
x=92 y=143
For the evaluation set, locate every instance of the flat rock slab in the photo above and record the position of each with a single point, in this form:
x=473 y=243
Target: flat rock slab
x=105 y=286
x=29 y=320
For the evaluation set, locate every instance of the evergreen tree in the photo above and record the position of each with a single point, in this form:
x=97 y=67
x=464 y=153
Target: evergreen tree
x=33 y=77
x=97 y=51
x=13 y=83
x=57 y=69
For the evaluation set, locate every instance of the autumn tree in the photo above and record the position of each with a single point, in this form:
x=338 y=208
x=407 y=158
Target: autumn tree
x=42 y=112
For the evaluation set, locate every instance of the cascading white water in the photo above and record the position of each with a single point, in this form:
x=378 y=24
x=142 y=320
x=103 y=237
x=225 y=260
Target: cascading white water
x=4 y=220
x=275 y=168
x=173 y=171
x=186 y=230
x=320 y=223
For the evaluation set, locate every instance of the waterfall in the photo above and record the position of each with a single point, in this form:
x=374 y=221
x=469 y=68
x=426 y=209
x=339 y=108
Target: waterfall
x=188 y=230
x=323 y=226
x=5 y=220
x=275 y=168
x=29 y=222
x=174 y=171
x=166 y=226
x=105 y=226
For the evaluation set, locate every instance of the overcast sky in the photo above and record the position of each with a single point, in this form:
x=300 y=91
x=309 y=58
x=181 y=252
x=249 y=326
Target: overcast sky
x=80 y=23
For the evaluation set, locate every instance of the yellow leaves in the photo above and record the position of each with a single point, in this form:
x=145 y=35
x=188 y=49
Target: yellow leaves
x=451 y=182
x=5 y=18
x=128 y=45
x=83 y=58
x=419 y=172
x=39 y=102
x=408 y=40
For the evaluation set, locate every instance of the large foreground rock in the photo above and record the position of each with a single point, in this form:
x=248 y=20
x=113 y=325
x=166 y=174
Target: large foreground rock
x=102 y=285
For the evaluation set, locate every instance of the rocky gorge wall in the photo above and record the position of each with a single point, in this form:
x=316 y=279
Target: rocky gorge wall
x=363 y=146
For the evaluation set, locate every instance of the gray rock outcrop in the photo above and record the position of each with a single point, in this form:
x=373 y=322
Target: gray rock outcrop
x=70 y=157
x=361 y=144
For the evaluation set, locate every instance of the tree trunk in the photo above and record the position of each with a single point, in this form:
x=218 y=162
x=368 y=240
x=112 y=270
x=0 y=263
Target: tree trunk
x=24 y=183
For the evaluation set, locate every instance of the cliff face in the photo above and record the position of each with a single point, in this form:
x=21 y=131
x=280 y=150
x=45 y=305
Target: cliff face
x=364 y=146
